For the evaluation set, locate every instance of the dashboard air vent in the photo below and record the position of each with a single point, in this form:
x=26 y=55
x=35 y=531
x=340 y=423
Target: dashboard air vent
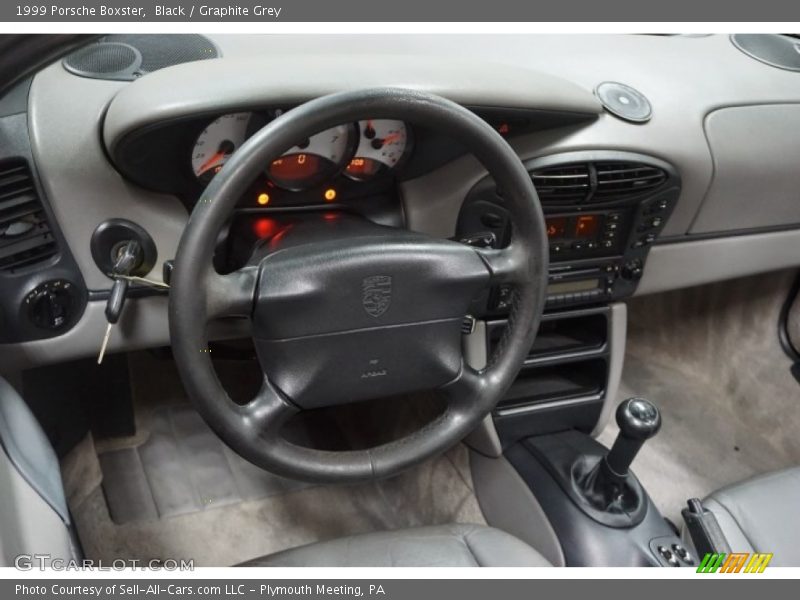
x=618 y=180
x=25 y=235
x=562 y=184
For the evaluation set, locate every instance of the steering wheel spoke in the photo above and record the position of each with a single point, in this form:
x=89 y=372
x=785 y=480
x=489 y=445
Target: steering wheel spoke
x=464 y=391
x=506 y=265
x=265 y=415
x=231 y=295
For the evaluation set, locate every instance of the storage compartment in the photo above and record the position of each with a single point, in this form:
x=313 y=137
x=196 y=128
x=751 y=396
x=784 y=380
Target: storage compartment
x=562 y=335
x=578 y=334
x=565 y=379
x=582 y=379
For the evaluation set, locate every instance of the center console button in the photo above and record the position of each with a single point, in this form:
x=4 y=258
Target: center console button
x=682 y=553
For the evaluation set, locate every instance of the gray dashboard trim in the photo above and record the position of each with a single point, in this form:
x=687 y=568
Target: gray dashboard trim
x=618 y=330
x=690 y=263
x=82 y=186
x=194 y=88
x=755 y=180
x=85 y=189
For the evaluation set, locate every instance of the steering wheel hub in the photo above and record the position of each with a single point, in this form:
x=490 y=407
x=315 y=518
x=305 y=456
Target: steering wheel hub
x=369 y=316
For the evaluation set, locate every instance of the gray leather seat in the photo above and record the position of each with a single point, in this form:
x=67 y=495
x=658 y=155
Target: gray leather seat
x=442 y=546
x=761 y=515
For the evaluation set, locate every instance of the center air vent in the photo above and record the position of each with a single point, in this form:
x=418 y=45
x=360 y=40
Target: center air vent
x=564 y=184
x=25 y=235
x=618 y=180
x=595 y=182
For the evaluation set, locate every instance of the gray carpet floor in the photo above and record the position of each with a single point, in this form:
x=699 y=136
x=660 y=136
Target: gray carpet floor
x=182 y=468
x=175 y=491
x=710 y=358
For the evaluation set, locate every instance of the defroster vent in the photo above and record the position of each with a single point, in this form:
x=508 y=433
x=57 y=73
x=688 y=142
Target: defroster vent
x=25 y=235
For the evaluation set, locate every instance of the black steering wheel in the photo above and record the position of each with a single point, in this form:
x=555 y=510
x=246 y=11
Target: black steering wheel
x=370 y=313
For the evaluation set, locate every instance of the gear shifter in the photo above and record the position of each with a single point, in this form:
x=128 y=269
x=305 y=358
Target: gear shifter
x=606 y=485
x=638 y=421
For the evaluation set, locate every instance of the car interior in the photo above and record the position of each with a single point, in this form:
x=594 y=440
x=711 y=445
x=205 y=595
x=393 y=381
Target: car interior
x=407 y=300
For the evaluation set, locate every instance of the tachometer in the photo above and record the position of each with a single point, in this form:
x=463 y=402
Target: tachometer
x=313 y=160
x=383 y=143
x=217 y=143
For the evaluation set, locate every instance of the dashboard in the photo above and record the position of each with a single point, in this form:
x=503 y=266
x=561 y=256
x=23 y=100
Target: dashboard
x=143 y=151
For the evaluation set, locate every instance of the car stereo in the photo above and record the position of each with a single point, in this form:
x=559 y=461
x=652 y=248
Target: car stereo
x=584 y=234
x=603 y=211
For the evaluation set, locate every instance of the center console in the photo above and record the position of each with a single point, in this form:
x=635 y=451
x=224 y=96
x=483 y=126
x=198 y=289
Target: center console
x=598 y=509
x=603 y=211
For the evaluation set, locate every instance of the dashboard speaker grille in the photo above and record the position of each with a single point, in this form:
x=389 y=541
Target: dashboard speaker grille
x=595 y=182
x=103 y=59
x=776 y=50
x=124 y=57
x=25 y=234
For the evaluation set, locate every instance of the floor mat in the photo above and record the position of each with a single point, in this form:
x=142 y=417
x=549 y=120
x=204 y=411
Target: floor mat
x=711 y=359
x=181 y=468
x=437 y=492
x=174 y=490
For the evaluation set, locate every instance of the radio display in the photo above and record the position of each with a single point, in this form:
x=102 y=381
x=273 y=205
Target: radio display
x=567 y=287
x=556 y=227
x=578 y=227
x=587 y=226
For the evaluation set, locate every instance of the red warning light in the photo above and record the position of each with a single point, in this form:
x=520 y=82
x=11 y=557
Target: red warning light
x=265 y=227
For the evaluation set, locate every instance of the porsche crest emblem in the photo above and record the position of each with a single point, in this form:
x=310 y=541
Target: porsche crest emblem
x=376 y=294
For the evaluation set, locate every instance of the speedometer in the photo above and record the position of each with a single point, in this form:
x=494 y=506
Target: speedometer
x=217 y=143
x=313 y=160
x=383 y=143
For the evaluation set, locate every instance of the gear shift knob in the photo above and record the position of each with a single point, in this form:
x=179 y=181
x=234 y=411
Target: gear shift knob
x=638 y=421
x=638 y=418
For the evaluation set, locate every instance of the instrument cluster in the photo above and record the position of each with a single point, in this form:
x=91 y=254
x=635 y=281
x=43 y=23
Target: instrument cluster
x=360 y=152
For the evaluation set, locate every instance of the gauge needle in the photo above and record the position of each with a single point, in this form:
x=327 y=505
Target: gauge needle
x=379 y=143
x=215 y=158
x=226 y=147
x=390 y=138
